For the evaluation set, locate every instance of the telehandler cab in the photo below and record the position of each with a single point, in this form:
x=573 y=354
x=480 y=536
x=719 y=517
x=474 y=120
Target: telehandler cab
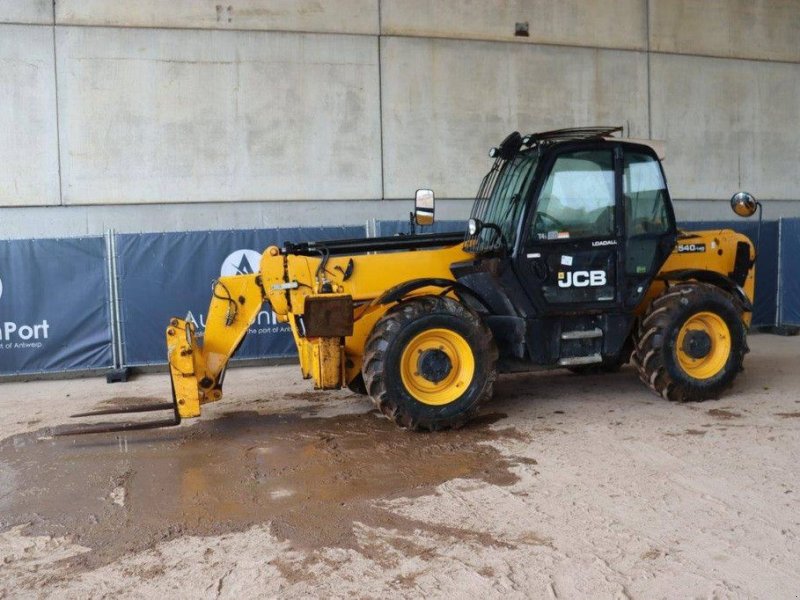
x=571 y=259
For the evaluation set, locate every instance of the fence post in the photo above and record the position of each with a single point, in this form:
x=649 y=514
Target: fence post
x=779 y=290
x=111 y=304
x=119 y=373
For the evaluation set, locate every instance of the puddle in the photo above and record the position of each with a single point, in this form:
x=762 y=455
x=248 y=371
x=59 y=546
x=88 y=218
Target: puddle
x=310 y=478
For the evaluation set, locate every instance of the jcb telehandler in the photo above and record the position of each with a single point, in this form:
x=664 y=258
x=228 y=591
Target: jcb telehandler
x=571 y=259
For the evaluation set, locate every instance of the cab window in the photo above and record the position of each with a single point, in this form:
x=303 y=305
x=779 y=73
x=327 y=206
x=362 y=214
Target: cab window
x=645 y=195
x=577 y=199
x=646 y=218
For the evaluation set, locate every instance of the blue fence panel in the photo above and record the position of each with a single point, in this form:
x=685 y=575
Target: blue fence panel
x=54 y=306
x=383 y=228
x=163 y=275
x=789 y=273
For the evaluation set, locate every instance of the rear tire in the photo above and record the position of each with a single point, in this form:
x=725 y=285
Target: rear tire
x=678 y=367
x=429 y=363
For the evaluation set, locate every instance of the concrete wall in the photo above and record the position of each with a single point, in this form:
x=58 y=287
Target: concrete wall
x=760 y=29
x=197 y=114
x=38 y=12
x=329 y=16
x=729 y=124
x=28 y=128
x=596 y=23
x=437 y=126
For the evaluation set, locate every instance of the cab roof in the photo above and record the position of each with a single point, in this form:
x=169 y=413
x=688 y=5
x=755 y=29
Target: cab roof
x=516 y=142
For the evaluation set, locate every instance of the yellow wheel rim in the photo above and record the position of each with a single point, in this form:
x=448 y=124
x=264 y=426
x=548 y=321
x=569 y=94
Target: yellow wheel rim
x=448 y=384
x=714 y=361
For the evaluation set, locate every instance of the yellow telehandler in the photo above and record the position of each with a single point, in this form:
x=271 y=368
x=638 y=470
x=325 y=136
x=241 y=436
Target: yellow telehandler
x=571 y=259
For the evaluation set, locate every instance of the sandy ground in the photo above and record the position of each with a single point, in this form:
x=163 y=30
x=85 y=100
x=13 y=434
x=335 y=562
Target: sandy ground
x=569 y=486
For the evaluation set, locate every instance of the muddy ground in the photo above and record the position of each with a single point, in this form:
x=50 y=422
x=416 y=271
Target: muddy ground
x=566 y=486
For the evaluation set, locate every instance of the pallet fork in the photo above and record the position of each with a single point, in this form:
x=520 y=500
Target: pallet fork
x=197 y=370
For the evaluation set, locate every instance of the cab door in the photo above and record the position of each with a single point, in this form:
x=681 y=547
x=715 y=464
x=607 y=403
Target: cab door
x=650 y=231
x=569 y=256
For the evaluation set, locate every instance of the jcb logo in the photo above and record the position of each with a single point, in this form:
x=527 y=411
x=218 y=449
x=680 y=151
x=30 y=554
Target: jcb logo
x=581 y=278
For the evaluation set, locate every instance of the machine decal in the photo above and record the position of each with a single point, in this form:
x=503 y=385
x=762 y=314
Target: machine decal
x=684 y=248
x=566 y=261
x=604 y=243
x=581 y=279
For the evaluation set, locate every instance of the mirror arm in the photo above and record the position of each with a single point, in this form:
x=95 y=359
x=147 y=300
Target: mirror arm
x=758 y=230
x=496 y=228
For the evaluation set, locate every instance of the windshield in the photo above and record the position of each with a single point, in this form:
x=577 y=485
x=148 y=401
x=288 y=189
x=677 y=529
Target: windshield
x=500 y=201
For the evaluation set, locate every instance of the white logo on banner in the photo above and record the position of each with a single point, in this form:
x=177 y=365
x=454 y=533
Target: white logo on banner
x=241 y=262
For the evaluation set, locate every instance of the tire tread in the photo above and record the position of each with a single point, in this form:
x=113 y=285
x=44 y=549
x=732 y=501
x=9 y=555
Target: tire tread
x=378 y=343
x=654 y=332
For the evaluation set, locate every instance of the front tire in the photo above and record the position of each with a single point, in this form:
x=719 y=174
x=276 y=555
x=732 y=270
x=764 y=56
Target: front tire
x=429 y=364
x=357 y=385
x=691 y=343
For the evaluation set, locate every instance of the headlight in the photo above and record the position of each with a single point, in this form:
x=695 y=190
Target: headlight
x=473 y=226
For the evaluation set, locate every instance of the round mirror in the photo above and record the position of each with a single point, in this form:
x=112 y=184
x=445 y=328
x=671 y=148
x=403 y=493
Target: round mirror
x=743 y=204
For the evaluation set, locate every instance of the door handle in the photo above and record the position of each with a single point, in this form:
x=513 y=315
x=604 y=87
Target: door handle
x=541 y=269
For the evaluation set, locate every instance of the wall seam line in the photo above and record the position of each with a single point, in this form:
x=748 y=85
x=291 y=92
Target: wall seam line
x=380 y=102
x=649 y=73
x=413 y=36
x=58 y=118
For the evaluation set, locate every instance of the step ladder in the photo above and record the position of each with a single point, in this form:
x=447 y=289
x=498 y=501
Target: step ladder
x=587 y=359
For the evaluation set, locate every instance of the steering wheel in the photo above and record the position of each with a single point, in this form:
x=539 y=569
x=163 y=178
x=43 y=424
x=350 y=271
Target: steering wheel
x=554 y=224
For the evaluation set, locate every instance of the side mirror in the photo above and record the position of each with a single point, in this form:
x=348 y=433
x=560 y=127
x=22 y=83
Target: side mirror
x=744 y=204
x=423 y=207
